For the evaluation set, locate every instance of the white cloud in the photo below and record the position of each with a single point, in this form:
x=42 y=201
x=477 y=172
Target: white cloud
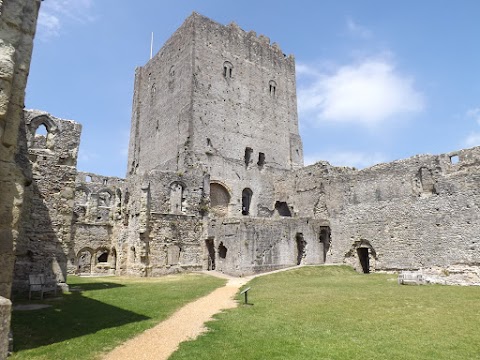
x=358 y=30
x=48 y=25
x=473 y=139
x=369 y=93
x=55 y=13
x=346 y=158
x=474 y=114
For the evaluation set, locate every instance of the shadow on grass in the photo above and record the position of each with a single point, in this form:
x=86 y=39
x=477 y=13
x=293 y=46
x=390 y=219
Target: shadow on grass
x=74 y=316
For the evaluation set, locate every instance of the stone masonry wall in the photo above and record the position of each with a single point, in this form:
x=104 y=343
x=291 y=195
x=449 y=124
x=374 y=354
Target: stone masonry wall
x=244 y=96
x=48 y=153
x=98 y=211
x=246 y=246
x=161 y=115
x=409 y=214
x=165 y=222
x=17 y=28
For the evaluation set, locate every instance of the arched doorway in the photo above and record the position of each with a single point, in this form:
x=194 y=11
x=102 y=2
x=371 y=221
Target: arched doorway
x=84 y=261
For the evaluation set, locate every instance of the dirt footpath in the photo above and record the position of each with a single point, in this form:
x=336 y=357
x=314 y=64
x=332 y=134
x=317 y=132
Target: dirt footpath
x=187 y=323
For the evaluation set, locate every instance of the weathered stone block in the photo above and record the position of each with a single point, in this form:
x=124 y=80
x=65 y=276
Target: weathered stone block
x=5 y=311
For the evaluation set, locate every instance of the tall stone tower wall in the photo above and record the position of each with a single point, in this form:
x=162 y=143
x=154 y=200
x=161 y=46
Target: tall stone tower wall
x=244 y=96
x=161 y=113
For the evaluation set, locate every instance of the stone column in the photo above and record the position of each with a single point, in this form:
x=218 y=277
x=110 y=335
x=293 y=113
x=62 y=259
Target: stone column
x=17 y=28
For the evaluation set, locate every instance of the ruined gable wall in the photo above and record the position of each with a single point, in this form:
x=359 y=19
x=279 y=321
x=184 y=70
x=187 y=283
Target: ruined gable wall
x=98 y=221
x=418 y=212
x=17 y=28
x=165 y=222
x=161 y=116
x=45 y=244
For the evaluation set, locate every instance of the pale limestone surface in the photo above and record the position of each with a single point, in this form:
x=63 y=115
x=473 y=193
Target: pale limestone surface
x=17 y=28
x=215 y=180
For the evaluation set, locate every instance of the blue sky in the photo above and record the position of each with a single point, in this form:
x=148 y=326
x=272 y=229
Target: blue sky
x=376 y=80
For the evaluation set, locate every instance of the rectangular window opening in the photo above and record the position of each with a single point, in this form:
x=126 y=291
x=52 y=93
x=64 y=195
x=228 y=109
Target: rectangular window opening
x=454 y=159
x=261 y=159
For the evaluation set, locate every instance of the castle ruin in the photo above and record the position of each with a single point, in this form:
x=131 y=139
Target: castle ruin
x=215 y=180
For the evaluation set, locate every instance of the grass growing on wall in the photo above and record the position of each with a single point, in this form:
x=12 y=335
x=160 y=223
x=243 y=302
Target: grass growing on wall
x=335 y=313
x=101 y=313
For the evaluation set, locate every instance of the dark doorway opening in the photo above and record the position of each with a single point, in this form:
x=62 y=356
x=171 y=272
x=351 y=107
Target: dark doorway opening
x=301 y=248
x=222 y=251
x=325 y=240
x=246 y=200
x=364 y=259
x=282 y=209
x=211 y=254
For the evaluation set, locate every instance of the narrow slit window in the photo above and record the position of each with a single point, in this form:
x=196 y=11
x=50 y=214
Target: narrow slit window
x=248 y=156
x=272 y=87
x=261 y=159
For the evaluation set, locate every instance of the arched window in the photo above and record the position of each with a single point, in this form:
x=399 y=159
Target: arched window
x=272 y=85
x=227 y=70
x=43 y=130
x=219 y=198
x=40 y=137
x=246 y=201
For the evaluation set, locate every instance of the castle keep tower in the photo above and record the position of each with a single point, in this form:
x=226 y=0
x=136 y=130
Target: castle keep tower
x=220 y=98
x=214 y=124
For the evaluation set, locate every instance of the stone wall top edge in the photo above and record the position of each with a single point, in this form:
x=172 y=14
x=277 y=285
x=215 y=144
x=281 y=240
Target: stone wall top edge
x=97 y=177
x=462 y=153
x=33 y=113
x=233 y=27
x=196 y=19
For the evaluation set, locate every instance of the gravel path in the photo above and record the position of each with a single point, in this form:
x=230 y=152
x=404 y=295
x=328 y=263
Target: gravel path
x=162 y=340
x=159 y=342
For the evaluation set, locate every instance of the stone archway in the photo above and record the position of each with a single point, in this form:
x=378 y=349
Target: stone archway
x=361 y=256
x=84 y=261
x=219 y=199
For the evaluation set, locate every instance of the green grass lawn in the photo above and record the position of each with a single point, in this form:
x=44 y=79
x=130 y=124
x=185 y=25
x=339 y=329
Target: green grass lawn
x=335 y=313
x=102 y=314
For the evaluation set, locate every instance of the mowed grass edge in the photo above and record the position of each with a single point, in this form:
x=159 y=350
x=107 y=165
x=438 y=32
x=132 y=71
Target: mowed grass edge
x=335 y=313
x=101 y=313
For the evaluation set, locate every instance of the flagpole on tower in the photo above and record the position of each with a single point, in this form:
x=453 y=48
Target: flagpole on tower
x=151 y=47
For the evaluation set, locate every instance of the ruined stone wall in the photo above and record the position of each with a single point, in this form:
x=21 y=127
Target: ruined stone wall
x=17 y=28
x=165 y=222
x=161 y=116
x=250 y=245
x=98 y=219
x=48 y=153
x=408 y=214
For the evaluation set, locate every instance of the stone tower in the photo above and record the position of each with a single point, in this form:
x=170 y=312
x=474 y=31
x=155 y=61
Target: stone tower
x=218 y=98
